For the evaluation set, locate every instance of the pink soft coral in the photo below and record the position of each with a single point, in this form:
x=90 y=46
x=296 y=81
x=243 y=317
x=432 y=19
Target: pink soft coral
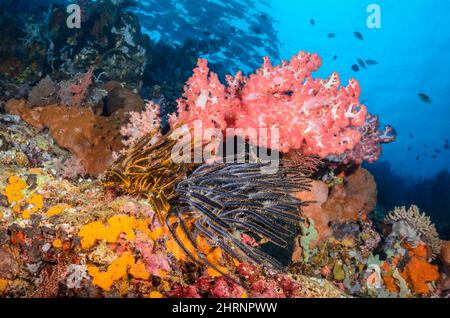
x=204 y=99
x=315 y=116
x=141 y=124
x=73 y=94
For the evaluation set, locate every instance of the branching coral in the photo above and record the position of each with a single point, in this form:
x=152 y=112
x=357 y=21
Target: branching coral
x=412 y=226
x=221 y=202
x=204 y=99
x=316 y=116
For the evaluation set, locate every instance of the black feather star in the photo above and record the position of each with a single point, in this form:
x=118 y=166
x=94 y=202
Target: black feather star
x=220 y=202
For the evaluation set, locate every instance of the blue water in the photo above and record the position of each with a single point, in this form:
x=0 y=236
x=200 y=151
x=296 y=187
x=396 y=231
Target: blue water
x=412 y=48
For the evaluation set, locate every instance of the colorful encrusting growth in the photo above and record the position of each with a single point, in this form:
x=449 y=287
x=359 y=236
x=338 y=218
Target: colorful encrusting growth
x=412 y=226
x=156 y=225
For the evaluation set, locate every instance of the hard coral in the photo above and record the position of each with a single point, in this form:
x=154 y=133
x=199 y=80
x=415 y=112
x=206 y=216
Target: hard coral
x=414 y=226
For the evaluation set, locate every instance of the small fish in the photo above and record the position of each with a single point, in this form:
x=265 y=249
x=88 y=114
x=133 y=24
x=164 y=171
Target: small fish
x=371 y=62
x=433 y=156
x=331 y=35
x=364 y=101
x=358 y=35
x=446 y=147
x=411 y=135
x=437 y=151
x=335 y=57
x=409 y=148
x=313 y=22
x=256 y=30
x=417 y=158
x=355 y=68
x=425 y=146
x=228 y=54
x=425 y=98
x=361 y=63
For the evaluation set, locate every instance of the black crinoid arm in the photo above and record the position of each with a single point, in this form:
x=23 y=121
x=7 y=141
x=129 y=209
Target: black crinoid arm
x=221 y=202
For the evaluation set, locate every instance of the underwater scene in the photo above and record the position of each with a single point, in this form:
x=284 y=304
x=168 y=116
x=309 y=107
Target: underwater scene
x=224 y=149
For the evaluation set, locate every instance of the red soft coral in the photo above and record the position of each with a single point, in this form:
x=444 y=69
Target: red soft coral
x=315 y=116
x=204 y=99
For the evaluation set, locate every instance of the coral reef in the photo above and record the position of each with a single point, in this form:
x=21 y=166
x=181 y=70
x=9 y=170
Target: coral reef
x=369 y=147
x=80 y=239
x=90 y=138
x=412 y=226
x=97 y=199
x=343 y=202
x=117 y=249
x=37 y=43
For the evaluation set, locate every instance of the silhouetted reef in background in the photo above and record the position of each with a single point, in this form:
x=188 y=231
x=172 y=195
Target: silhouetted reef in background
x=431 y=194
